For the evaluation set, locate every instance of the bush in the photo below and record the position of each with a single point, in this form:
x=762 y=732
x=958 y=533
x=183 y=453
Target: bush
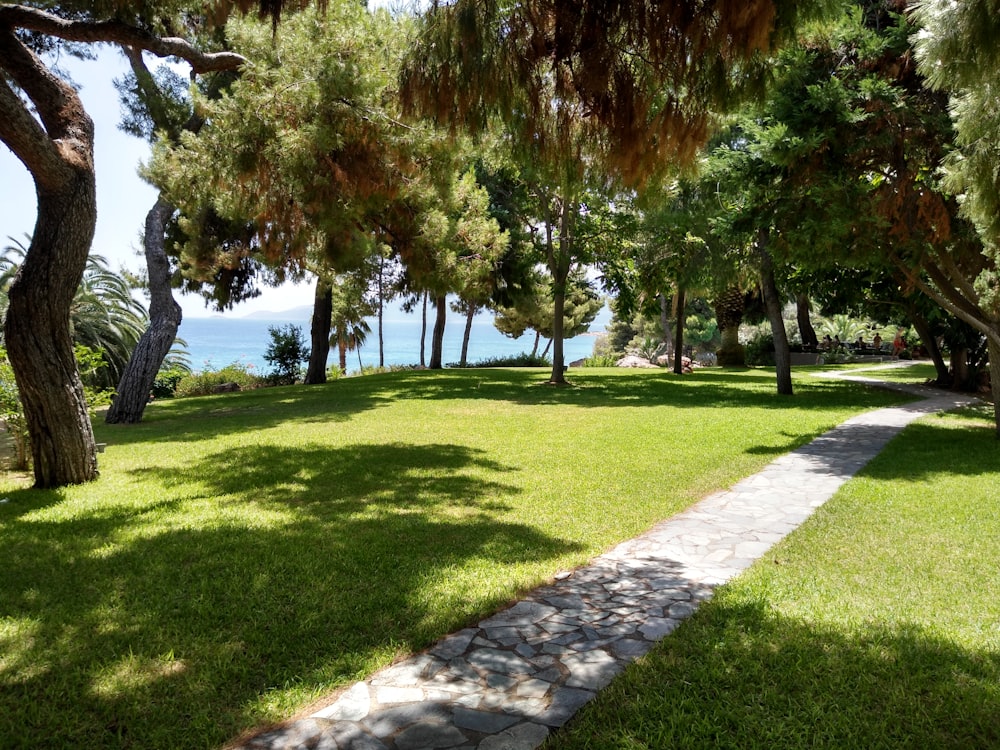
x=286 y=353
x=13 y=415
x=759 y=351
x=209 y=382
x=601 y=360
x=524 y=359
x=165 y=385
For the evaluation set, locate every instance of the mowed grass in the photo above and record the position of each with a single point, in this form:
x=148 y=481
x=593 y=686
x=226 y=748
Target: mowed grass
x=245 y=554
x=875 y=625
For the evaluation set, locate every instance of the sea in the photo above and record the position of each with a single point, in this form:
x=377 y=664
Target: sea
x=215 y=342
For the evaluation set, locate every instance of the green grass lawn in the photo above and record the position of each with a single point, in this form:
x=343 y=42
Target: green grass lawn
x=241 y=555
x=875 y=625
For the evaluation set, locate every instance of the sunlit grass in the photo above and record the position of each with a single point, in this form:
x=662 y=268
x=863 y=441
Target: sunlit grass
x=875 y=625
x=242 y=555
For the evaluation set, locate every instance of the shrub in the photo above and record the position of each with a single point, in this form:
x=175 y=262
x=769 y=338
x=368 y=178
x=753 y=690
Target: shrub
x=524 y=359
x=759 y=351
x=208 y=382
x=167 y=380
x=601 y=360
x=12 y=414
x=286 y=353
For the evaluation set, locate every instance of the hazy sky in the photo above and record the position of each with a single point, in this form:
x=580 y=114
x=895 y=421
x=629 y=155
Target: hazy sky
x=122 y=197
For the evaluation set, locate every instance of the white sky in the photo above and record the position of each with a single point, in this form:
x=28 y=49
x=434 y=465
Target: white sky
x=122 y=197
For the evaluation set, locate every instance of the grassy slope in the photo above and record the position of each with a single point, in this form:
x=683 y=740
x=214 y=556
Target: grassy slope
x=243 y=554
x=876 y=625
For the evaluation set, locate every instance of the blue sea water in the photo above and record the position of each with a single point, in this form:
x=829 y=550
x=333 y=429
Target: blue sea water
x=215 y=342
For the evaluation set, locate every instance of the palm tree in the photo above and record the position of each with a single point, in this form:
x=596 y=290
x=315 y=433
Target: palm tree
x=103 y=316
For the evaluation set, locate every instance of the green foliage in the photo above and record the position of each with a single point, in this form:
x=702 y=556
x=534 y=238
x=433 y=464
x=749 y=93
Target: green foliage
x=167 y=380
x=12 y=414
x=759 y=350
x=524 y=359
x=601 y=360
x=89 y=362
x=286 y=353
x=209 y=381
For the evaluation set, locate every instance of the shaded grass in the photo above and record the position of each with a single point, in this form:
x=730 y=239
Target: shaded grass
x=875 y=625
x=243 y=554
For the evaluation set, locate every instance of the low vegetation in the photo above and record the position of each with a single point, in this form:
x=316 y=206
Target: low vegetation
x=244 y=554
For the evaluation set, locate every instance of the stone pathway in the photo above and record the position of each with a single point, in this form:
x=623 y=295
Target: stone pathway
x=523 y=672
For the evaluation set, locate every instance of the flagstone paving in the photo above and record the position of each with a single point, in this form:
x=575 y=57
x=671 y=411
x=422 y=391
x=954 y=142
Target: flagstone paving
x=523 y=672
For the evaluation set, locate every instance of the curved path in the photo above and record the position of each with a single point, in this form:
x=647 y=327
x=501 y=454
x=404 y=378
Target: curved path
x=526 y=670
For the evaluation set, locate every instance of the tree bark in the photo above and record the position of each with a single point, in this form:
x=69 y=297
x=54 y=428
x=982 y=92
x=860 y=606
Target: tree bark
x=423 y=333
x=994 y=348
x=559 y=264
x=58 y=150
x=469 y=316
x=806 y=330
x=164 y=319
x=772 y=302
x=437 y=336
x=322 y=322
x=679 y=332
x=929 y=341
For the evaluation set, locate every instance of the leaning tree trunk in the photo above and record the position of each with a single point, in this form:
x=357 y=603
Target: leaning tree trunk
x=679 y=332
x=319 y=331
x=437 y=336
x=469 y=316
x=927 y=338
x=806 y=330
x=37 y=332
x=772 y=302
x=164 y=319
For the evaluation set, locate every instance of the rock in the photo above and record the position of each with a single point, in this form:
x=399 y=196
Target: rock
x=630 y=360
x=226 y=388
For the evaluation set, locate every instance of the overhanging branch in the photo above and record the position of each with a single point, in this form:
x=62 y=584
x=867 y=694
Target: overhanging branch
x=117 y=32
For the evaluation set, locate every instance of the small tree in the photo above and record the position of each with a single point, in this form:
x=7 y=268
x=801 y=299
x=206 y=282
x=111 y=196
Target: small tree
x=286 y=353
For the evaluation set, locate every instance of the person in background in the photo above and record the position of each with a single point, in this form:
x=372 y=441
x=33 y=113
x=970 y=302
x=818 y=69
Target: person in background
x=877 y=343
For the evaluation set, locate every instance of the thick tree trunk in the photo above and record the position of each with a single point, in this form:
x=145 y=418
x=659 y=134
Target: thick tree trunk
x=772 y=302
x=729 y=315
x=469 y=316
x=164 y=319
x=37 y=333
x=558 y=376
x=322 y=322
x=806 y=330
x=437 y=336
x=342 y=353
x=679 y=332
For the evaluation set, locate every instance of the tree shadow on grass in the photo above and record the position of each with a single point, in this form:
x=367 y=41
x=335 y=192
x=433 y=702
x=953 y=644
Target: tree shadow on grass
x=170 y=626
x=738 y=675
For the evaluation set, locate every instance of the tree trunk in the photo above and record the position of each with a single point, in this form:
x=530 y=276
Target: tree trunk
x=538 y=337
x=806 y=330
x=322 y=322
x=342 y=351
x=468 y=332
x=37 y=333
x=423 y=332
x=381 y=311
x=559 y=264
x=164 y=319
x=926 y=335
x=729 y=315
x=772 y=302
x=994 y=349
x=679 y=332
x=437 y=336
x=665 y=320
